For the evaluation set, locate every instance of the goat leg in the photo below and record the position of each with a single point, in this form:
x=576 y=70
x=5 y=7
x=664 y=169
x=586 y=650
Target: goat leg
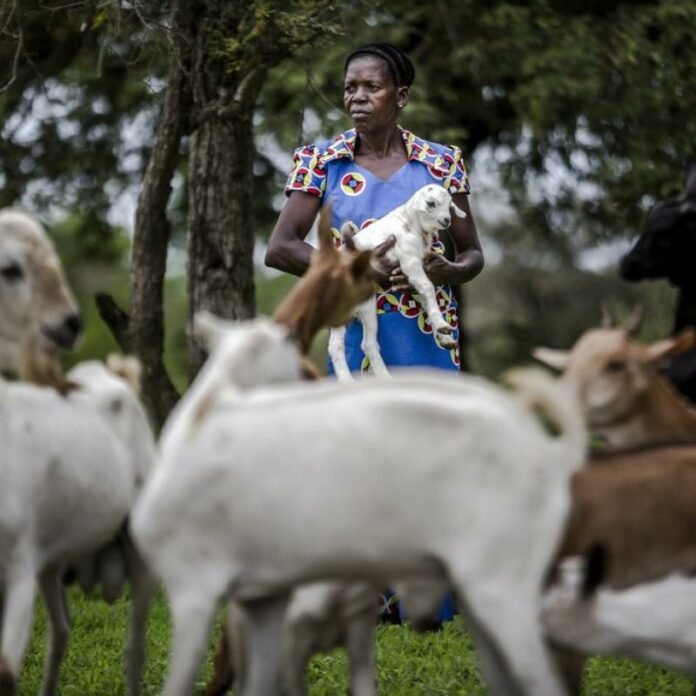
x=54 y=597
x=442 y=331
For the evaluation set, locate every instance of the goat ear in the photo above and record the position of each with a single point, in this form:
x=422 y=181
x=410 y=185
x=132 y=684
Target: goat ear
x=326 y=245
x=208 y=328
x=361 y=266
x=670 y=347
x=557 y=359
x=457 y=210
x=607 y=318
x=348 y=231
x=632 y=325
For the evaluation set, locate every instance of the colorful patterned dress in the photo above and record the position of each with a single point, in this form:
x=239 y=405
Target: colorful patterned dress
x=359 y=197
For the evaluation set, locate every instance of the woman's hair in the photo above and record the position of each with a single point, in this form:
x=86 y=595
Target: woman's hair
x=399 y=64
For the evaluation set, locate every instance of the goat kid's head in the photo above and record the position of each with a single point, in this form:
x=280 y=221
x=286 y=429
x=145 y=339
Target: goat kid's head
x=36 y=304
x=431 y=205
x=611 y=373
x=245 y=354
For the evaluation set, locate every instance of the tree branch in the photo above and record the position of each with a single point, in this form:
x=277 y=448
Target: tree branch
x=18 y=52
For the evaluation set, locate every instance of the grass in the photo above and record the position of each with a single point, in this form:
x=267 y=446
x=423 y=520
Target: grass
x=409 y=664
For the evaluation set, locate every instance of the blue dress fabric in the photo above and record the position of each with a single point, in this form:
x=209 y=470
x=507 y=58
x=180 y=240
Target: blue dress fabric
x=359 y=197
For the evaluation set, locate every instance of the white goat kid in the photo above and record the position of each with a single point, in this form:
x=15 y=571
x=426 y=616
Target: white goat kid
x=36 y=304
x=413 y=225
x=71 y=468
x=244 y=522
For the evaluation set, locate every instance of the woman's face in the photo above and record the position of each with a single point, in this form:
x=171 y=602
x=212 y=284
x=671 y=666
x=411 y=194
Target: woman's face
x=370 y=96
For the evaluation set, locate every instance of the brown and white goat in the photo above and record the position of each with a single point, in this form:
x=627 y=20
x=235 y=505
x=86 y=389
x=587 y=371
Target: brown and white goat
x=624 y=581
x=326 y=295
x=626 y=400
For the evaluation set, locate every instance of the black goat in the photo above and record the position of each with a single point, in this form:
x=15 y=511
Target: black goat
x=667 y=249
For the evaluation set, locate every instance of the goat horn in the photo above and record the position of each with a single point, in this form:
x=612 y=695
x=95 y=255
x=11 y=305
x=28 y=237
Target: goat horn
x=634 y=321
x=607 y=319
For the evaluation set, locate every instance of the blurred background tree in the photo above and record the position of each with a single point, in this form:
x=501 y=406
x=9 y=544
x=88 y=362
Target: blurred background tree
x=574 y=117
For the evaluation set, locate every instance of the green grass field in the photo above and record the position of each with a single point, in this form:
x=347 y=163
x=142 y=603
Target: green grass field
x=409 y=664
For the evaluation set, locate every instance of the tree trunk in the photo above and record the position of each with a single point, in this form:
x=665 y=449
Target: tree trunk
x=220 y=268
x=142 y=333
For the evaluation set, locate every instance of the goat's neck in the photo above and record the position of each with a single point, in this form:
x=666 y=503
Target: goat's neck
x=686 y=308
x=661 y=415
x=302 y=323
x=188 y=411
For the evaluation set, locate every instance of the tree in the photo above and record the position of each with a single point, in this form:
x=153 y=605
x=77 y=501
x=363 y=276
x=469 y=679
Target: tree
x=221 y=52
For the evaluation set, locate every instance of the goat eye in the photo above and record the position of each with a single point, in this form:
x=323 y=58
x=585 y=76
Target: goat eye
x=615 y=366
x=12 y=272
x=430 y=204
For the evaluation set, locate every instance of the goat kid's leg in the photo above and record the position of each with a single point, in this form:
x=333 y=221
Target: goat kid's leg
x=18 y=609
x=264 y=621
x=337 y=351
x=53 y=592
x=142 y=589
x=509 y=632
x=192 y=615
x=442 y=331
x=367 y=313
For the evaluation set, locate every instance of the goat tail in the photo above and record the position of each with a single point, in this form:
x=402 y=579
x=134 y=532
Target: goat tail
x=127 y=367
x=558 y=405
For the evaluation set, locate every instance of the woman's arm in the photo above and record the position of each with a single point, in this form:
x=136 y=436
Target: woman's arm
x=287 y=251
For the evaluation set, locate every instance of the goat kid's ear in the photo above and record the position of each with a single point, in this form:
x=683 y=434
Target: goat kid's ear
x=457 y=210
x=669 y=347
x=557 y=359
x=361 y=265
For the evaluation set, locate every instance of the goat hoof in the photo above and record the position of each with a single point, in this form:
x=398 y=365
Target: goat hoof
x=446 y=341
x=8 y=683
x=445 y=329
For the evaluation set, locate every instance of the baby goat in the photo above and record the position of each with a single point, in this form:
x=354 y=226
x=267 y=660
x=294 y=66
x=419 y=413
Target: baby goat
x=413 y=226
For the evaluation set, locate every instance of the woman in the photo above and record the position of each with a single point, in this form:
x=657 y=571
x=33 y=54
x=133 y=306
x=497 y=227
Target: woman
x=365 y=173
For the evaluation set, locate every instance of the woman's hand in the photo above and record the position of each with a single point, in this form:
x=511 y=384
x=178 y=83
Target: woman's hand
x=437 y=268
x=382 y=268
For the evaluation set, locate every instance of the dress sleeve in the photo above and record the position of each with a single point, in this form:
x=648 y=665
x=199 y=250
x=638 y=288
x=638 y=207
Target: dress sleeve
x=308 y=172
x=457 y=180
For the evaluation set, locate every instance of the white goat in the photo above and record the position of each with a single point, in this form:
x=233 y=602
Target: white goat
x=36 y=305
x=244 y=522
x=413 y=225
x=70 y=472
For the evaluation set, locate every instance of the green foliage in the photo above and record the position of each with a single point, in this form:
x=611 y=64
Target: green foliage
x=440 y=664
x=82 y=80
x=270 y=30
x=512 y=308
